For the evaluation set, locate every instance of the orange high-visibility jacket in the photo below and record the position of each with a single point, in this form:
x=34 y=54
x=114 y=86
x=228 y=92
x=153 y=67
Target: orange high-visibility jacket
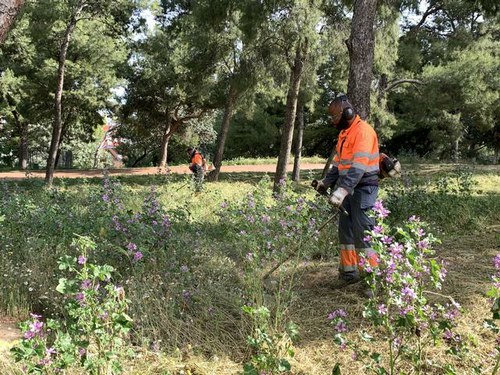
x=197 y=161
x=356 y=162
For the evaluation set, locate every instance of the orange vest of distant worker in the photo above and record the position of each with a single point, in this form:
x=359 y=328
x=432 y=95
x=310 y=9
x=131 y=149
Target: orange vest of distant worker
x=197 y=159
x=357 y=147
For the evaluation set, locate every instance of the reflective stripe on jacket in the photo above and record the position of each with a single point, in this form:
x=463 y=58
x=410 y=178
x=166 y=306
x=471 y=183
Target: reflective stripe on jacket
x=357 y=157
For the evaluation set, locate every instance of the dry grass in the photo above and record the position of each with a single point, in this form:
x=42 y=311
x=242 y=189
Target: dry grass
x=469 y=259
x=469 y=265
x=316 y=354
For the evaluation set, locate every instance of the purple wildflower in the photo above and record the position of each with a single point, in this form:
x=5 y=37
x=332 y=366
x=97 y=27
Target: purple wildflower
x=380 y=210
x=340 y=327
x=86 y=284
x=408 y=293
x=138 y=256
x=340 y=313
x=82 y=259
x=28 y=335
x=386 y=240
x=382 y=309
x=423 y=244
x=496 y=261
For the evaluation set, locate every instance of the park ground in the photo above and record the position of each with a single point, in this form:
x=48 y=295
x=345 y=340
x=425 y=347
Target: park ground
x=470 y=268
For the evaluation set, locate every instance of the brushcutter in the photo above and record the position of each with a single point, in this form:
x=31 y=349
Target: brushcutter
x=292 y=252
x=324 y=191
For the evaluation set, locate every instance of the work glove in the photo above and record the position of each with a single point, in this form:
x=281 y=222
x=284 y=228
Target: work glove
x=319 y=186
x=337 y=197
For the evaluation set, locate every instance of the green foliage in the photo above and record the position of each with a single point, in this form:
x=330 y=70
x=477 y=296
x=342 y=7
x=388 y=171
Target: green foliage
x=458 y=102
x=30 y=56
x=402 y=282
x=268 y=348
x=447 y=201
x=93 y=332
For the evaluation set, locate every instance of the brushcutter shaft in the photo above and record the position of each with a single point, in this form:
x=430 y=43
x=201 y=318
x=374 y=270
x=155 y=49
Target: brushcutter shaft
x=292 y=252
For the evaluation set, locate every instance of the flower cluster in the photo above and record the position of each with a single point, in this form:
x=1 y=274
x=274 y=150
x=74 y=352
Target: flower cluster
x=92 y=333
x=494 y=294
x=34 y=328
x=140 y=231
x=401 y=282
x=268 y=227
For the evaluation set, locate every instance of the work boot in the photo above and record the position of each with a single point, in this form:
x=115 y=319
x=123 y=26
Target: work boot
x=346 y=278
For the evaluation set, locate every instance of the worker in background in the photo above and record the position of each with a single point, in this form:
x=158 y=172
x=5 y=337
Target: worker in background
x=354 y=181
x=197 y=165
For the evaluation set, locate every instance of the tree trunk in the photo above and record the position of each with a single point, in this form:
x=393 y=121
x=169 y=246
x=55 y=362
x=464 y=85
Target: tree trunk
x=9 y=9
x=326 y=168
x=290 y=111
x=57 y=127
x=298 y=143
x=382 y=86
x=167 y=134
x=221 y=141
x=361 y=45
x=64 y=131
x=23 y=146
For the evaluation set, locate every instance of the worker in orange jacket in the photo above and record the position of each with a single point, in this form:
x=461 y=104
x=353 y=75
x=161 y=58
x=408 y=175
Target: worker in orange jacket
x=354 y=179
x=197 y=166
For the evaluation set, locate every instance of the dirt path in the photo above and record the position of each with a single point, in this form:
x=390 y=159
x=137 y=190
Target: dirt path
x=9 y=333
x=270 y=168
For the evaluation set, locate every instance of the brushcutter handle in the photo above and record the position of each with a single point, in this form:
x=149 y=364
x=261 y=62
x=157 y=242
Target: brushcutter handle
x=319 y=187
x=343 y=210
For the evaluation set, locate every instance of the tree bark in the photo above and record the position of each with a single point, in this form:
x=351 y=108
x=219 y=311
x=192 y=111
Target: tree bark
x=9 y=9
x=167 y=134
x=57 y=127
x=382 y=86
x=328 y=163
x=226 y=122
x=290 y=111
x=23 y=146
x=361 y=46
x=298 y=143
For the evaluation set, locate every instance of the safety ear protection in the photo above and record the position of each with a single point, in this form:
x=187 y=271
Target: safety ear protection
x=348 y=113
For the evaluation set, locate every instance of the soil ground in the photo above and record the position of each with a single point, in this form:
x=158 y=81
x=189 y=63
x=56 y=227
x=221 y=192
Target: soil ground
x=9 y=333
x=73 y=173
